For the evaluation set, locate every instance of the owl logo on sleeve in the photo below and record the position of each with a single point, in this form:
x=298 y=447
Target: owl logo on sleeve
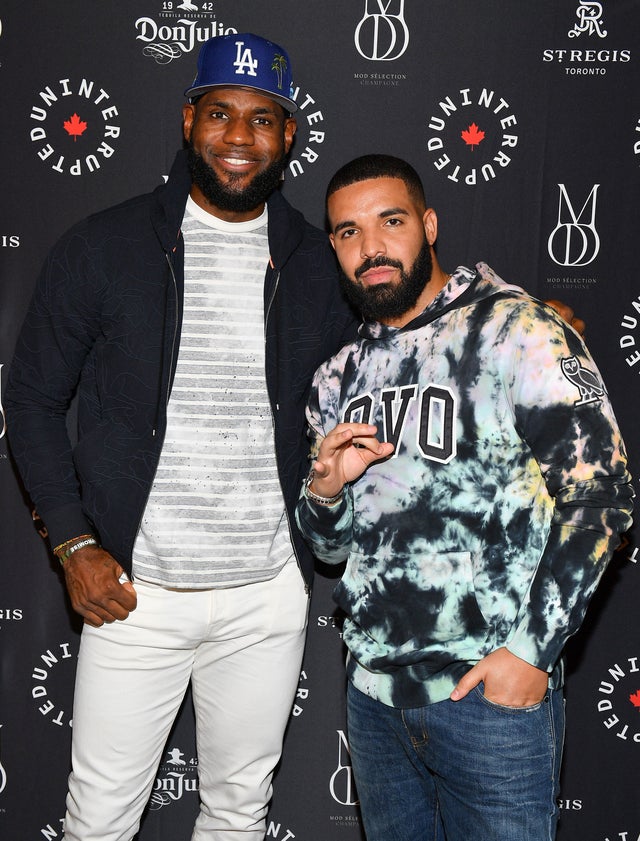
x=589 y=385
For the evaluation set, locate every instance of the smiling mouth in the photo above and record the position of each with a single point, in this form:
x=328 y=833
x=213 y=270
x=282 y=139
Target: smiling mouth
x=236 y=163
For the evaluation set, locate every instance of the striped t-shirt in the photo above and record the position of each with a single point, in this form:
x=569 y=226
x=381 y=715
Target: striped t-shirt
x=215 y=515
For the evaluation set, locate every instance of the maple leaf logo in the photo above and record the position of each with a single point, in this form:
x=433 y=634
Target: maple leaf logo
x=75 y=127
x=472 y=136
x=635 y=698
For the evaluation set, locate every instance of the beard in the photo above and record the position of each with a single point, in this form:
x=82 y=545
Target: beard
x=385 y=300
x=232 y=197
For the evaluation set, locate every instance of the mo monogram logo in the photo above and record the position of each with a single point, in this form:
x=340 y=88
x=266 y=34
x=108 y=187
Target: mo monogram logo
x=341 y=784
x=382 y=34
x=575 y=241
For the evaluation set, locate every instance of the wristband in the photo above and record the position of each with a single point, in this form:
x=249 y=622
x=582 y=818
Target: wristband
x=319 y=500
x=59 y=548
x=63 y=554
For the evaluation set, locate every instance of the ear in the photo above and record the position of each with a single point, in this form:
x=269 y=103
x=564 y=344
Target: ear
x=188 y=116
x=430 y=222
x=332 y=240
x=290 y=128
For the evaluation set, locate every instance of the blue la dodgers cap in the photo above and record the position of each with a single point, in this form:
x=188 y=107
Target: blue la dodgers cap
x=248 y=61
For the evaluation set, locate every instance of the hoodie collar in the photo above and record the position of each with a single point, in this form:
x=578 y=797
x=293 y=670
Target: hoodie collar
x=457 y=292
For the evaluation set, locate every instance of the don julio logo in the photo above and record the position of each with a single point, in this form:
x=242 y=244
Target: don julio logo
x=574 y=241
x=170 y=39
x=176 y=777
x=382 y=34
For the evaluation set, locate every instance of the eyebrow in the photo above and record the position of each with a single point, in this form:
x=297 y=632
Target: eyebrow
x=392 y=211
x=262 y=109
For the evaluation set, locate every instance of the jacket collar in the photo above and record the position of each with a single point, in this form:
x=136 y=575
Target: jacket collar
x=168 y=210
x=286 y=228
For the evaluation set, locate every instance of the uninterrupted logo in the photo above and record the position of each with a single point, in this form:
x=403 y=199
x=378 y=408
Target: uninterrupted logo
x=629 y=340
x=310 y=135
x=74 y=126
x=177 y=29
x=472 y=136
x=302 y=694
x=49 y=833
x=618 y=700
x=382 y=33
x=53 y=678
x=275 y=829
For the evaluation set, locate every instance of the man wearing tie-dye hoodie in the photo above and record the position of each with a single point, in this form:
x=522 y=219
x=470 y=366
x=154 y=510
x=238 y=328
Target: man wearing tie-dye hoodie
x=467 y=465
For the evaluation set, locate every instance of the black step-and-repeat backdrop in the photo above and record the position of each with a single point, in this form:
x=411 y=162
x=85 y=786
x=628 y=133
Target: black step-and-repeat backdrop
x=524 y=120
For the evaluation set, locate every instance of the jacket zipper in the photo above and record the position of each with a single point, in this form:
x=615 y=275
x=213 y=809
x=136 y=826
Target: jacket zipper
x=155 y=429
x=173 y=347
x=307 y=589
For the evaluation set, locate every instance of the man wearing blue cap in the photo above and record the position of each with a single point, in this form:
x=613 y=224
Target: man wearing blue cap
x=173 y=514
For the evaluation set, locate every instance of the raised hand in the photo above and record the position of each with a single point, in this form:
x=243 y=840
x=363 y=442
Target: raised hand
x=344 y=455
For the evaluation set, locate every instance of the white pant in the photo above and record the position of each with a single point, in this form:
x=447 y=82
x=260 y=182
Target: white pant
x=242 y=650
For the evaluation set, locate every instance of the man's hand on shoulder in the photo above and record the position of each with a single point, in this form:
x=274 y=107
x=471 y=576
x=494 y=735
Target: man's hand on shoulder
x=92 y=577
x=565 y=311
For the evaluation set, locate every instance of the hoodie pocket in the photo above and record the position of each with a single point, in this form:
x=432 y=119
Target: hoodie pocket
x=425 y=602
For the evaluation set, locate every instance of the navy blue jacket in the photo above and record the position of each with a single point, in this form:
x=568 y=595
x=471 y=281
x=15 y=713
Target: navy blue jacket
x=105 y=321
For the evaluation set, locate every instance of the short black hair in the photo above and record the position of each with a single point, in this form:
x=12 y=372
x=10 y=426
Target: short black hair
x=378 y=166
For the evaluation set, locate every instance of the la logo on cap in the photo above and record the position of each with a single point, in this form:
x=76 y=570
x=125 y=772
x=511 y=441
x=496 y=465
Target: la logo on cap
x=245 y=62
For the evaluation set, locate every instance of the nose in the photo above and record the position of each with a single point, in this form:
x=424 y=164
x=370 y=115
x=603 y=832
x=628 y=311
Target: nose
x=372 y=244
x=238 y=132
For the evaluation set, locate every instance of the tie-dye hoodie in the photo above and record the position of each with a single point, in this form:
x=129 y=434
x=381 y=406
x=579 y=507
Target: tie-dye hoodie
x=494 y=519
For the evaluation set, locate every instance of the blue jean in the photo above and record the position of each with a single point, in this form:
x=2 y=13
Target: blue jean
x=457 y=770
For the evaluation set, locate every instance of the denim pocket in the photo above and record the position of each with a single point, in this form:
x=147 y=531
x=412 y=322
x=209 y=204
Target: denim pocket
x=479 y=690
